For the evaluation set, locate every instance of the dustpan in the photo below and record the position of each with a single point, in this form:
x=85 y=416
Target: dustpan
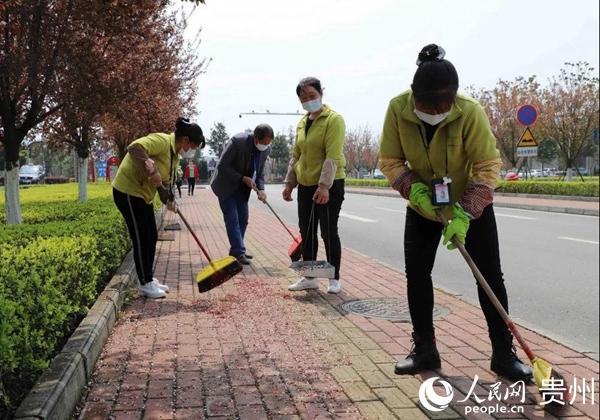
x=318 y=268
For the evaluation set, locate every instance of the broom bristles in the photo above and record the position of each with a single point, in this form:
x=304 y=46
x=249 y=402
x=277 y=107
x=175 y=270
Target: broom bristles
x=295 y=254
x=219 y=277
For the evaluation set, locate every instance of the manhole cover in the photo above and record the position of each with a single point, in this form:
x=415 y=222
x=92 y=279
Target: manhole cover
x=392 y=309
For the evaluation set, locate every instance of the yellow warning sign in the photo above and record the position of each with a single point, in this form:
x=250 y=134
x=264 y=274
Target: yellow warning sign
x=527 y=139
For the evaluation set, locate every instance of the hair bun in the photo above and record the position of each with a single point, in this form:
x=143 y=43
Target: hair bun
x=431 y=52
x=181 y=121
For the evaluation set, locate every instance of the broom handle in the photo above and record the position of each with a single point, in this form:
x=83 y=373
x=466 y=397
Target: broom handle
x=488 y=290
x=195 y=237
x=278 y=218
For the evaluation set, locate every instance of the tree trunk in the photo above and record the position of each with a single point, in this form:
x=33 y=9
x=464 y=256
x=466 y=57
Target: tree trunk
x=83 y=175
x=11 y=196
x=569 y=174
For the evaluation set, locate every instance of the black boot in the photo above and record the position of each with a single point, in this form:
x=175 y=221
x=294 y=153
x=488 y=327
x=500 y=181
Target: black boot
x=506 y=363
x=423 y=356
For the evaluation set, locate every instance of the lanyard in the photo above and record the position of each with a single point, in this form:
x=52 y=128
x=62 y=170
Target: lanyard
x=426 y=147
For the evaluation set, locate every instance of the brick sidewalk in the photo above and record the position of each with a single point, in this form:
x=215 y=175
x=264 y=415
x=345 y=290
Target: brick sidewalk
x=252 y=350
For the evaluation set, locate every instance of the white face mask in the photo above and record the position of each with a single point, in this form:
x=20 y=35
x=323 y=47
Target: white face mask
x=430 y=118
x=312 y=106
x=187 y=155
x=261 y=147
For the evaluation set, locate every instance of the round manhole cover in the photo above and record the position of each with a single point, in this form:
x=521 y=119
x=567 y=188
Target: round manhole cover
x=392 y=309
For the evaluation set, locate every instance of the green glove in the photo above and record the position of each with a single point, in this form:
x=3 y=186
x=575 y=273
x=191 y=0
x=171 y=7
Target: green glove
x=421 y=198
x=457 y=227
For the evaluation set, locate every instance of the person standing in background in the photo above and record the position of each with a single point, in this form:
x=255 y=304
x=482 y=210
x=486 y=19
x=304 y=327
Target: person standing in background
x=191 y=172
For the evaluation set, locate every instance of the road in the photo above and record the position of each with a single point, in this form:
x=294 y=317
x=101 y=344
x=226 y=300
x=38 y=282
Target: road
x=550 y=261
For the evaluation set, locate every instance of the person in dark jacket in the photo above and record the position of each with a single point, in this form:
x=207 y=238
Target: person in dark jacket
x=239 y=171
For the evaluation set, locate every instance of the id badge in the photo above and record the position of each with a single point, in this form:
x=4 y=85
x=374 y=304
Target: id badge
x=441 y=192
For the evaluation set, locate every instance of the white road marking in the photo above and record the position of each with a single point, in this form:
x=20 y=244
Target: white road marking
x=392 y=210
x=515 y=217
x=357 y=218
x=566 y=238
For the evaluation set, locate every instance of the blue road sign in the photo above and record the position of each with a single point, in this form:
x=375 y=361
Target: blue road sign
x=526 y=115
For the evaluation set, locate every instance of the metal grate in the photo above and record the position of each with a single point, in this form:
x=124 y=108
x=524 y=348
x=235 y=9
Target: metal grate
x=392 y=309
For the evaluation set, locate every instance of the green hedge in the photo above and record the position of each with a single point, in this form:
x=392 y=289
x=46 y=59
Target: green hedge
x=52 y=268
x=367 y=182
x=589 y=188
x=574 y=188
x=46 y=287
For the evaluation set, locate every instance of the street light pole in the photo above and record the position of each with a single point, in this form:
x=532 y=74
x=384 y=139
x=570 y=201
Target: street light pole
x=270 y=113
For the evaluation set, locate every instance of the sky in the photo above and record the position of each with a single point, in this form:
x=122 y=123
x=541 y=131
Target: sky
x=364 y=52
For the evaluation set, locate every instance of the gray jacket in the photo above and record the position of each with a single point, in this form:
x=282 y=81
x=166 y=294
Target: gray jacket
x=235 y=163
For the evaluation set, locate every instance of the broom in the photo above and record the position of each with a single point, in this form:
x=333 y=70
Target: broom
x=218 y=271
x=295 y=249
x=543 y=372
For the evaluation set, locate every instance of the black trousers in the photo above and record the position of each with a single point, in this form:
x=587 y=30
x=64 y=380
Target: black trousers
x=327 y=216
x=421 y=239
x=191 y=185
x=141 y=224
x=179 y=184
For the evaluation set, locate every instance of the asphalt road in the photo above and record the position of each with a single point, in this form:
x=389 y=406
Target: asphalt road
x=550 y=261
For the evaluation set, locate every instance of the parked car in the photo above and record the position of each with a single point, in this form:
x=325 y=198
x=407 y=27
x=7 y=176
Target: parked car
x=31 y=174
x=377 y=174
x=536 y=173
x=511 y=176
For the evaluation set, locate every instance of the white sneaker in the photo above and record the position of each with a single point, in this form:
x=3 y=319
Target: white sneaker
x=303 y=284
x=152 y=291
x=161 y=286
x=334 y=286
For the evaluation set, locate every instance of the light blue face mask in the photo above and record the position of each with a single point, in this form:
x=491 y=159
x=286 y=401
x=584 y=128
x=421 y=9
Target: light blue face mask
x=312 y=106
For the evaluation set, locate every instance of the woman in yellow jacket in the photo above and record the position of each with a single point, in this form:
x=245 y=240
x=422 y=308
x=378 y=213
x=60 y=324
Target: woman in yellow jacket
x=317 y=168
x=152 y=161
x=438 y=151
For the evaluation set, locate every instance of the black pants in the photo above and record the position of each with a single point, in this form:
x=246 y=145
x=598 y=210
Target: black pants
x=178 y=184
x=421 y=239
x=191 y=185
x=141 y=224
x=327 y=216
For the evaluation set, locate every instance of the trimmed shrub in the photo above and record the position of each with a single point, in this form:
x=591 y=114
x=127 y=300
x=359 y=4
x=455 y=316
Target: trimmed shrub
x=589 y=188
x=574 y=188
x=46 y=288
x=367 y=182
x=52 y=267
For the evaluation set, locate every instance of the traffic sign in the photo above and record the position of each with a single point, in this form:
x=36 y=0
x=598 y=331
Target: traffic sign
x=527 y=151
x=527 y=139
x=526 y=115
x=527 y=145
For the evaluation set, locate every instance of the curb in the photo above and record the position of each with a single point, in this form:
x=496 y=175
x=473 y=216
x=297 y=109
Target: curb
x=57 y=392
x=554 y=209
x=549 y=197
x=568 y=210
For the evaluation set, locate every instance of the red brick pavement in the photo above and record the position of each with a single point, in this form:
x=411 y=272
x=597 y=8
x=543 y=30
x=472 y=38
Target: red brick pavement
x=252 y=350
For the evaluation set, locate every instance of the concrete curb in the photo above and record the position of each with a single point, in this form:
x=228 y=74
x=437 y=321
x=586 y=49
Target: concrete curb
x=507 y=194
x=57 y=391
x=549 y=197
x=554 y=209
x=569 y=210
